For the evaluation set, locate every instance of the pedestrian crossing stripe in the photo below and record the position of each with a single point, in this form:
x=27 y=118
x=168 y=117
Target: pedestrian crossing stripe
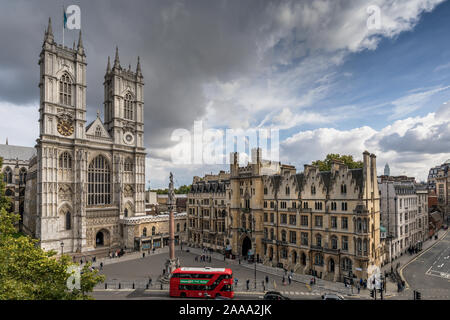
x=291 y=293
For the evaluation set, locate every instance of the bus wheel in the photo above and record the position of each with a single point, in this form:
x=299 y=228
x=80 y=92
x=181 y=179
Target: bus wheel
x=183 y=294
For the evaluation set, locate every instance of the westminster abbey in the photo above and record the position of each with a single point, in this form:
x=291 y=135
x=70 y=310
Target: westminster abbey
x=85 y=182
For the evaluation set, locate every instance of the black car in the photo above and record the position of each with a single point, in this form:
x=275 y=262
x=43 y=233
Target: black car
x=274 y=295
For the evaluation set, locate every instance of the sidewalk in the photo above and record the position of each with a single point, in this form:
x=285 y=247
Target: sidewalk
x=320 y=286
x=126 y=257
x=406 y=257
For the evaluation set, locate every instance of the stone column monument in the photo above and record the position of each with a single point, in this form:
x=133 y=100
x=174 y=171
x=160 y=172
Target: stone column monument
x=172 y=263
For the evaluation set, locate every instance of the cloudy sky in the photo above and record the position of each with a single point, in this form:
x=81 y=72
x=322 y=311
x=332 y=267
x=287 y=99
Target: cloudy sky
x=312 y=69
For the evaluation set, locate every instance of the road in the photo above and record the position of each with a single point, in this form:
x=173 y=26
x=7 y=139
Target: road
x=138 y=271
x=429 y=273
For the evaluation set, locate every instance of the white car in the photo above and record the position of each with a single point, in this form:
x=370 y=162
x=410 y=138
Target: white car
x=332 y=296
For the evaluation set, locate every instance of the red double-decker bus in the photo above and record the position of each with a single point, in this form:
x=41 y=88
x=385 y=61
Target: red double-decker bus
x=201 y=282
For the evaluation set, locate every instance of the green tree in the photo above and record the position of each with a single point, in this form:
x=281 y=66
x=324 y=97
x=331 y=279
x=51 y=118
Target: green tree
x=325 y=165
x=29 y=273
x=183 y=189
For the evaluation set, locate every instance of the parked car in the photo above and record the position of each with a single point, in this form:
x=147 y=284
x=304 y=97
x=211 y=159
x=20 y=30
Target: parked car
x=274 y=295
x=332 y=296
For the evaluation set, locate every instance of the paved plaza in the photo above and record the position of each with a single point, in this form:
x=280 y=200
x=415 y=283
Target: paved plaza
x=128 y=277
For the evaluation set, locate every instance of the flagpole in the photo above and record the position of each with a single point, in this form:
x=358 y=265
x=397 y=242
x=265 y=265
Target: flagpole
x=63 y=25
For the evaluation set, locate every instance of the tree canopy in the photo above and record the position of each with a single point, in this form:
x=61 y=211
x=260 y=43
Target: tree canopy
x=27 y=272
x=325 y=165
x=184 y=189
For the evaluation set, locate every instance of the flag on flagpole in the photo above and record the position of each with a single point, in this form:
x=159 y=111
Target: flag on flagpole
x=64 y=22
x=65 y=18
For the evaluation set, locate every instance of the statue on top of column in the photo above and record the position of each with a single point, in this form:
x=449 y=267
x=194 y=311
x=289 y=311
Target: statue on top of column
x=171 y=196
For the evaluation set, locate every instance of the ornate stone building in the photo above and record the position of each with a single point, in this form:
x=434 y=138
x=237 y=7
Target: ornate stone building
x=16 y=163
x=322 y=223
x=208 y=207
x=86 y=183
x=404 y=214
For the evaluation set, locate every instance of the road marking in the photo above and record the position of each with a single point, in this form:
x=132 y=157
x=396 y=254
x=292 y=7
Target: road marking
x=401 y=269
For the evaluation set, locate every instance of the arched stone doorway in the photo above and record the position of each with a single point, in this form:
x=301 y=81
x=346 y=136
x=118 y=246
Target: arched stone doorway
x=303 y=259
x=246 y=246
x=102 y=238
x=294 y=257
x=331 y=265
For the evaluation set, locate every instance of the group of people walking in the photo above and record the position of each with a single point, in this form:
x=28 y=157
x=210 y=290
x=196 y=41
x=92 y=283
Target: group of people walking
x=116 y=254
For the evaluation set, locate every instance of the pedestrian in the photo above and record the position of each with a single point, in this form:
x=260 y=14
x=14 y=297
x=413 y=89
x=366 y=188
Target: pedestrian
x=248 y=284
x=150 y=281
x=81 y=261
x=290 y=279
x=284 y=280
x=143 y=255
x=196 y=258
x=267 y=279
x=101 y=265
x=314 y=280
x=359 y=288
x=236 y=282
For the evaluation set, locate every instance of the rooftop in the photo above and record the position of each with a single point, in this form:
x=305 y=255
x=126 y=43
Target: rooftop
x=10 y=152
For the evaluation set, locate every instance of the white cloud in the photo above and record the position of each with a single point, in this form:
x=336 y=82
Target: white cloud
x=413 y=101
x=19 y=124
x=299 y=46
x=411 y=146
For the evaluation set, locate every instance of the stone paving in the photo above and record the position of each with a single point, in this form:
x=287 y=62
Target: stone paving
x=118 y=271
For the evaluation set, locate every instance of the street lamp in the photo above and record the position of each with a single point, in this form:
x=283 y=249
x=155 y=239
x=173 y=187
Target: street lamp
x=62 y=248
x=254 y=251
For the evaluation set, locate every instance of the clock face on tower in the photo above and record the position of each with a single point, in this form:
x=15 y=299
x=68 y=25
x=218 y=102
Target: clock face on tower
x=128 y=138
x=65 y=128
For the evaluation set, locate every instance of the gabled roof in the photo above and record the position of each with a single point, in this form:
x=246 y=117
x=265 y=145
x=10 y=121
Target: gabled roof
x=9 y=152
x=92 y=127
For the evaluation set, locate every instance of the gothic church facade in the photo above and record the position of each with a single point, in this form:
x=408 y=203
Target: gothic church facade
x=85 y=186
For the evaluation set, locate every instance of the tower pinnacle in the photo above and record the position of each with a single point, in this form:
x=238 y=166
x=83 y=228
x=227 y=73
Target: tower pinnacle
x=116 y=59
x=49 y=32
x=138 y=67
x=80 y=44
